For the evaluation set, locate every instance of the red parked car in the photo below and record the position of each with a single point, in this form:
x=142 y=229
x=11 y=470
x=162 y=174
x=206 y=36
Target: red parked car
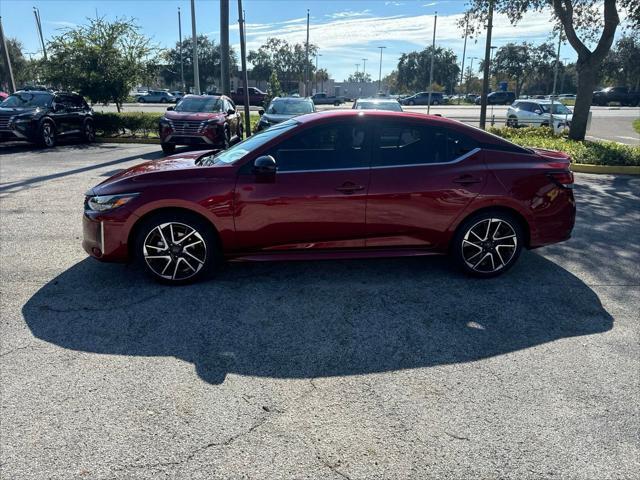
x=337 y=184
x=207 y=120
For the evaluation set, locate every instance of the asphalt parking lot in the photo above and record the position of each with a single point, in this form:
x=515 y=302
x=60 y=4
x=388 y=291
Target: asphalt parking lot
x=398 y=368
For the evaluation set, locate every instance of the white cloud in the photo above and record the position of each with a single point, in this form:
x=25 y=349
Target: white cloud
x=349 y=14
x=432 y=4
x=61 y=23
x=394 y=4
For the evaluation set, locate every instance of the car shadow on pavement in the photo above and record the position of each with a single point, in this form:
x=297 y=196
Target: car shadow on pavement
x=316 y=319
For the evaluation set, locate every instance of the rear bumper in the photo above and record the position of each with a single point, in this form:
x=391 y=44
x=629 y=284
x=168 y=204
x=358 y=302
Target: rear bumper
x=554 y=222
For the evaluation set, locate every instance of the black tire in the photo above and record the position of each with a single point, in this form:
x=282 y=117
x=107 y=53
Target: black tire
x=336 y=104
x=226 y=138
x=182 y=266
x=47 y=135
x=141 y=100
x=240 y=133
x=411 y=102
x=490 y=256
x=89 y=132
x=168 y=148
x=512 y=122
x=163 y=100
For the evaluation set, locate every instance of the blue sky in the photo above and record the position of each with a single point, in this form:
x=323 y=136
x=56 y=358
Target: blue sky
x=345 y=31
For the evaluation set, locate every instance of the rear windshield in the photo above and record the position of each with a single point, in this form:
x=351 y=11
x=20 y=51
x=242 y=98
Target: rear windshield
x=194 y=104
x=25 y=99
x=392 y=106
x=288 y=107
x=558 y=109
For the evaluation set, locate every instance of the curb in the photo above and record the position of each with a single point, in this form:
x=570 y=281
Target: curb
x=606 y=169
x=147 y=141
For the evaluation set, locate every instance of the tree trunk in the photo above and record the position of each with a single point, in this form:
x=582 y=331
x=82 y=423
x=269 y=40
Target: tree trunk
x=587 y=74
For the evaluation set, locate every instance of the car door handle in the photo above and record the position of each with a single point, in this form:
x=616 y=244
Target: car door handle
x=349 y=187
x=467 y=180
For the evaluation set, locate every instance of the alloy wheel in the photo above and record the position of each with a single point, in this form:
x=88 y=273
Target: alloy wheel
x=48 y=135
x=489 y=245
x=174 y=251
x=89 y=132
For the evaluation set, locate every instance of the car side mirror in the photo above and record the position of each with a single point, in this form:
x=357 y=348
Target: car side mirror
x=264 y=166
x=538 y=111
x=261 y=111
x=57 y=107
x=231 y=111
x=170 y=109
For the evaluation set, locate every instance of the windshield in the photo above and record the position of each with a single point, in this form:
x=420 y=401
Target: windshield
x=558 y=109
x=255 y=141
x=23 y=99
x=195 y=104
x=287 y=107
x=392 y=106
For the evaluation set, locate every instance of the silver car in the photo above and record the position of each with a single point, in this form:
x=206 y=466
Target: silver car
x=156 y=96
x=537 y=113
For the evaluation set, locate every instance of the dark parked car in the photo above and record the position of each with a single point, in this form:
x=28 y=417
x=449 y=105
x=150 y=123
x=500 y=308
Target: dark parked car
x=390 y=104
x=256 y=96
x=498 y=98
x=284 y=108
x=337 y=184
x=422 y=98
x=43 y=117
x=200 y=120
x=620 y=95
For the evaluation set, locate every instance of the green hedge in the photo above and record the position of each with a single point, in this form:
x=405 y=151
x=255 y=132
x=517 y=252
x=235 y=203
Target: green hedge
x=127 y=123
x=636 y=125
x=594 y=153
x=137 y=124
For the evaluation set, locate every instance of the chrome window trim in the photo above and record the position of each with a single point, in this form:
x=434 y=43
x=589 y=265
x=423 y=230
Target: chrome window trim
x=456 y=160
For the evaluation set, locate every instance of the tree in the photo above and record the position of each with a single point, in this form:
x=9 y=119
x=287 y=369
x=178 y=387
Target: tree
x=622 y=64
x=524 y=64
x=391 y=82
x=102 y=60
x=578 y=18
x=359 y=77
x=321 y=76
x=273 y=90
x=24 y=71
x=286 y=60
x=413 y=69
x=209 y=55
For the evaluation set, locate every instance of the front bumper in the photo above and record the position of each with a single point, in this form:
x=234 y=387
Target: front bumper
x=106 y=237
x=203 y=135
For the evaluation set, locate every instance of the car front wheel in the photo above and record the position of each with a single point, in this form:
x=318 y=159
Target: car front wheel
x=168 y=148
x=177 y=248
x=512 y=122
x=47 y=135
x=488 y=244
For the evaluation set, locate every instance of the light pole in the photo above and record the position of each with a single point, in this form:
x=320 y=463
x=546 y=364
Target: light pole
x=464 y=52
x=364 y=67
x=564 y=73
x=180 y=45
x=306 y=64
x=380 y=71
x=7 y=59
x=317 y=55
x=225 y=67
x=433 y=54
x=194 y=36
x=470 y=73
x=493 y=47
x=485 y=77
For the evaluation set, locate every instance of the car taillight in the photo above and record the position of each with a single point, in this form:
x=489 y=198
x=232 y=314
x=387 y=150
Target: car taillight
x=563 y=179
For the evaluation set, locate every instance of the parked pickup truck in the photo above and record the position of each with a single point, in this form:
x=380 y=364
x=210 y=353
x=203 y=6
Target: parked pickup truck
x=256 y=96
x=324 y=99
x=616 y=94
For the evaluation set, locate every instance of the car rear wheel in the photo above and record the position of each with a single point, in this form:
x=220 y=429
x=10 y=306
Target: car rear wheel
x=488 y=244
x=47 y=135
x=163 y=100
x=512 y=122
x=411 y=102
x=168 y=148
x=141 y=100
x=177 y=248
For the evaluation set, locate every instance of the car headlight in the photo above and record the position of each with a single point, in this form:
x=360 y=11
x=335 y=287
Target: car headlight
x=101 y=203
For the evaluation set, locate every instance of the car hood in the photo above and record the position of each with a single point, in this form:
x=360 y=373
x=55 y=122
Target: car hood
x=172 y=169
x=275 y=118
x=18 y=110
x=199 y=116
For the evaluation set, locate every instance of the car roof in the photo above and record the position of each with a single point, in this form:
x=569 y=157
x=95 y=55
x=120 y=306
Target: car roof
x=292 y=99
x=191 y=95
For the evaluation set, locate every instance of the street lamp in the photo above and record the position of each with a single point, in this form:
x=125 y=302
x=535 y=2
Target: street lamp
x=493 y=47
x=364 y=67
x=317 y=55
x=380 y=71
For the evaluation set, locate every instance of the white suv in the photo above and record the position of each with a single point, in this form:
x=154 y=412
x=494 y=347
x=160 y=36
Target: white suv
x=537 y=113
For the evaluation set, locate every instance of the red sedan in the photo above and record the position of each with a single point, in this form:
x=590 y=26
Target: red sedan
x=335 y=185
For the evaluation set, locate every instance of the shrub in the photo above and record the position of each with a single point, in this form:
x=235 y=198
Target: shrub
x=133 y=123
x=636 y=125
x=595 y=153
